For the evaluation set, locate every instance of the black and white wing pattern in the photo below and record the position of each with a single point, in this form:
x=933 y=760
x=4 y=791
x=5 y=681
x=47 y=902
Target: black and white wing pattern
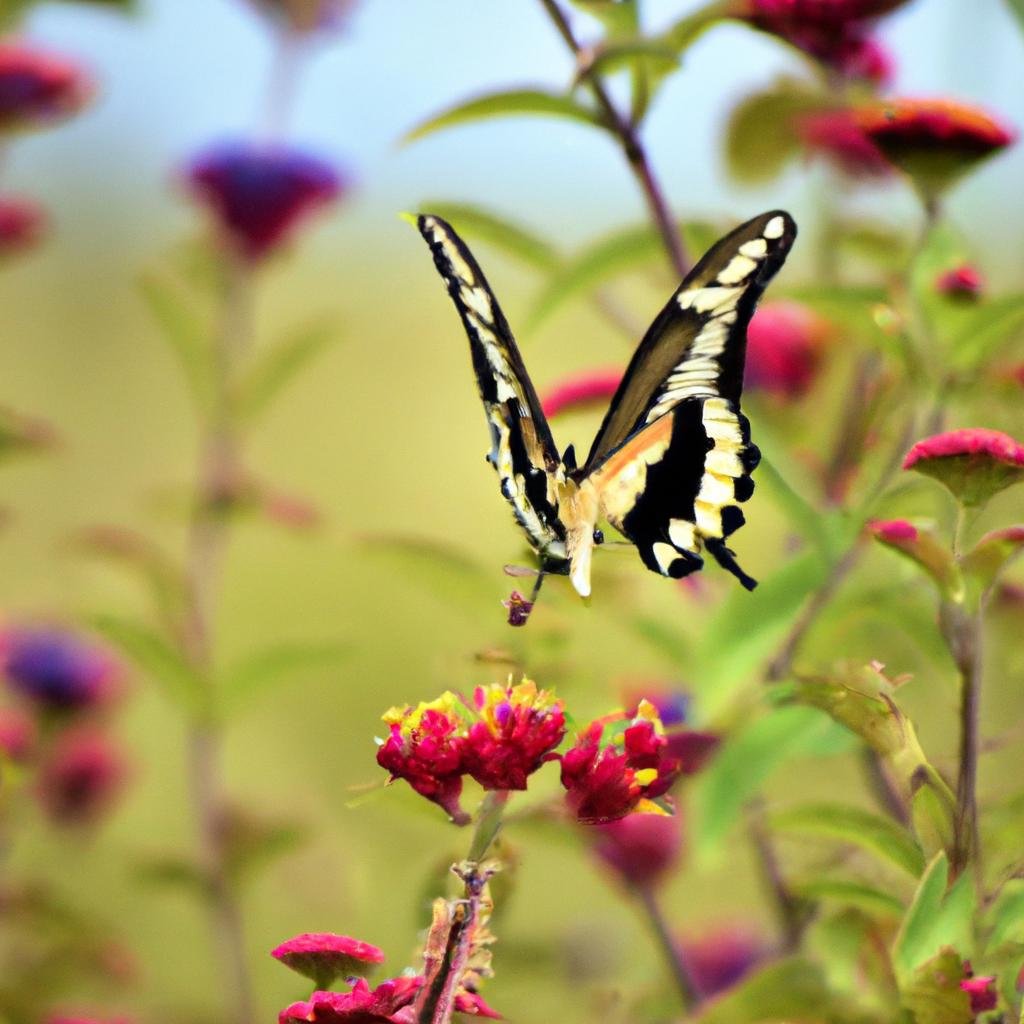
x=673 y=457
x=522 y=449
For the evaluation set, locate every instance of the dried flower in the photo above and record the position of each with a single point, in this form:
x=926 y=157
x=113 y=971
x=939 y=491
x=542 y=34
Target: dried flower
x=519 y=728
x=473 y=1004
x=963 y=282
x=426 y=748
x=973 y=463
x=837 y=136
x=21 y=225
x=259 y=194
x=640 y=848
x=581 y=390
x=324 y=957
x=17 y=734
x=518 y=609
x=81 y=777
x=57 y=669
x=784 y=346
x=361 y=1005
x=38 y=88
x=721 y=957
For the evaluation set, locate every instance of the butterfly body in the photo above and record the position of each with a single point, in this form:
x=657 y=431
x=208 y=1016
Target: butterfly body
x=673 y=457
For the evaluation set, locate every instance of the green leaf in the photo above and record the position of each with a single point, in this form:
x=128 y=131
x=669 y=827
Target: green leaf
x=986 y=561
x=184 y=331
x=790 y=989
x=816 y=527
x=682 y=34
x=260 y=672
x=172 y=871
x=511 y=238
x=619 y=17
x=1006 y=918
x=858 y=895
x=936 y=918
x=933 y=995
x=625 y=250
x=157 y=659
x=655 y=58
x=932 y=811
x=504 y=104
x=870 y=831
x=276 y=368
x=252 y=844
x=986 y=330
x=743 y=764
x=1016 y=8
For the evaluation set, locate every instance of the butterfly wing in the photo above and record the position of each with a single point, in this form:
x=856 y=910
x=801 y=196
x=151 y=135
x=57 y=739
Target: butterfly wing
x=673 y=456
x=522 y=449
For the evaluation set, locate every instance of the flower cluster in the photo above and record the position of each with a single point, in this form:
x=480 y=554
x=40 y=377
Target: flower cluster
x=62 y=686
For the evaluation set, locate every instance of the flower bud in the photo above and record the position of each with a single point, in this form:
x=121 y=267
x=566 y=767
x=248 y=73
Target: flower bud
x=37 y=88
x=81 y=777
x=640 y=848
x=784 y=347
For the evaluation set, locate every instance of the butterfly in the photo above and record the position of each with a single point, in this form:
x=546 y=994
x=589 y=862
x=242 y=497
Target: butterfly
x=673 y=457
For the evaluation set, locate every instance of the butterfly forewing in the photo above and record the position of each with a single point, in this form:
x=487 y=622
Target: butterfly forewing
x=522 y=449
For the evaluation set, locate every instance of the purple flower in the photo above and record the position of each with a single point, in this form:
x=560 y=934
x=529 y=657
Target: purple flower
x=56 y=669
x=37 y=87
x=258 y=194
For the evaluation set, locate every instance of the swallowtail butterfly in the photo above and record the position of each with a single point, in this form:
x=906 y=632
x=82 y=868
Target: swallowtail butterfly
x=673 y=458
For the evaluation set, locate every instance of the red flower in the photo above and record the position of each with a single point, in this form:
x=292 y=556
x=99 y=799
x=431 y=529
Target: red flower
x=474 y=1005
x=21 y=224
x=963 y=282
x=390 y=1002
x=973 y=463
x=933 y=141
x=721 y=957
x=324 y=957
x=784 y=345
x=81 y=777
x=982 y=991
x=519 y=729
x=836 y=135
x=426 y=748
x=640 y=848
x=37 y=87
x=518 y=609
x=258 y=195
x=17 y=734
x=581 y=390
x=607 y=783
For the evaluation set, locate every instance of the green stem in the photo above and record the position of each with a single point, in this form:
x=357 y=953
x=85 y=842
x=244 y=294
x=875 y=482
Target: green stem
x=788 y=910
x=488 y=824
x=673 y=956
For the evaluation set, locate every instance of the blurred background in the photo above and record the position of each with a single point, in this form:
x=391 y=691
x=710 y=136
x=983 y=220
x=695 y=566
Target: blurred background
x=386 y=439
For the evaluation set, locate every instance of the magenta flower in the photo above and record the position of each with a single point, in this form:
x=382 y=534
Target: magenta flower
x=518 y=608
x=361 y=1005
x=784 y=348
x=56 y=669
x=17 y=734
x=981 y=990
x=974 y=463
x=963 y=282
x=836 y=136
x=581 y=390
x=641 y=849
x=473 y=1004
x=722 y=957
x=324 y=957
x=893 y=531
x=259 y=194
x=37 y=88
x=21 y=224
x=519 y=728
x=81 y=777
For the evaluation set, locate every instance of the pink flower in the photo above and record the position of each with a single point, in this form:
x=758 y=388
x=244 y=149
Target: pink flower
x=836 y=136
x=390 y=1003
x=473 y=1004
x=324 y=957
x=784 y=346
x=893 y=531
x=963 y=282
x=982 y=991
x=81 y=777
x=258 y=195
x=519 y=728
x=426 y=748
x=581 y=390
x=21 y=224
x=640 y=848
x=17 y=734
x=37 y=87
x=974 y=463
x=721 y=957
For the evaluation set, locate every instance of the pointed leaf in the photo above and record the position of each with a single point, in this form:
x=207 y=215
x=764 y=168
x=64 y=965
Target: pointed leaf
x=987 y=329
x=1006 y=918
x=985 y=562
x=1016 y=8
x=862 y=828
x=682 y=34
x=619 y=17
x=655 y=59
x=504 y=104
x=859 y=895
x=932 y=811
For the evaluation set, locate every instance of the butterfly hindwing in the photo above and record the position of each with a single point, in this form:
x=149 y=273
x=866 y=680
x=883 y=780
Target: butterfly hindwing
x=522 y=450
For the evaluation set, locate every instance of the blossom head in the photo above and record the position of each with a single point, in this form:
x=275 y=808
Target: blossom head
x=259 y=194
x=21 y=225
x=581 y=391
x=38 y=88
x=973 y=463
x=935 y=142
x=962 y=283
x=81 y=777
x=360 y=1005
x=981 y=990
x=518 y=730
x=324 y=957
x=641 y=849
x=837 y=136
x=518 y=608
x=721 y=957
x=605 y=782
x=426 y=747
x=57 y=669
x=784 y=346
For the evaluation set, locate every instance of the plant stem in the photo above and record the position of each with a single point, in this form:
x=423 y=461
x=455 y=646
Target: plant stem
x=791 y=916
x=673 y=956
x=632 y=147
x=207 y=542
